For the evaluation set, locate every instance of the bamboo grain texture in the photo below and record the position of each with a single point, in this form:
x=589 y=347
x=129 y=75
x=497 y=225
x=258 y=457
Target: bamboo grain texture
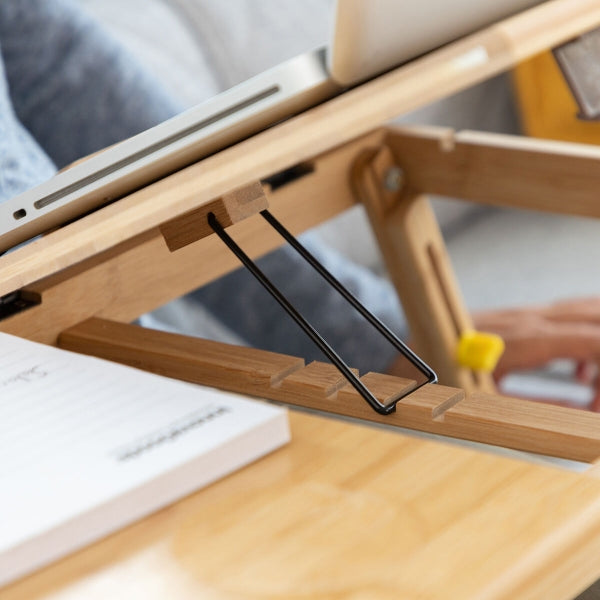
x=417 y=263
x=486 y=418
x=142 y=274
x=346 y=512
x=500 y=170
x=351 y=115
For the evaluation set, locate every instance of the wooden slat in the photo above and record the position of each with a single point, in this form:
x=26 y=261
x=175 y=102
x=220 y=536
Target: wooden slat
x=486 y=418
x=221 y=365
x=315 y=381
x=503 y=420
x=501 y=170
x=355 y=113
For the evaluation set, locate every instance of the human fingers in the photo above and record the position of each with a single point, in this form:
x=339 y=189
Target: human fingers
x=537 y=341
x=579 y=310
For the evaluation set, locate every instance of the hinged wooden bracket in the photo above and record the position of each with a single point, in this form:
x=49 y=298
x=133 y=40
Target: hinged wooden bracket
x=391 y=180
x=229 y=209
x=418 y=265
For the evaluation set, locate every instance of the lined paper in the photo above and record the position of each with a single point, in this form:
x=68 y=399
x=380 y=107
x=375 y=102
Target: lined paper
x=87 y=445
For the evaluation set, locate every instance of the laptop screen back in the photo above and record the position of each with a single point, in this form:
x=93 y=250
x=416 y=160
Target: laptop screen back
x=372 y=36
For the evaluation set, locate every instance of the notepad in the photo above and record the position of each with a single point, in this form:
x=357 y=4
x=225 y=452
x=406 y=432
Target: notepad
x=88 y=446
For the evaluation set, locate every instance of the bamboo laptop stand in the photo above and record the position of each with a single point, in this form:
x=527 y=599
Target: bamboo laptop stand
x=90 y=278
x=115 y=264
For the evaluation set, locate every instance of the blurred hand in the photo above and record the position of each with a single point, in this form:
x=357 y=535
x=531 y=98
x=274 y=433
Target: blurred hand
x=534 y=336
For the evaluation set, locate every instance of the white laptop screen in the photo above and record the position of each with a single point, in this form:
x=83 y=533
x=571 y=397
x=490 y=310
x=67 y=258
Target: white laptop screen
x=372 y=36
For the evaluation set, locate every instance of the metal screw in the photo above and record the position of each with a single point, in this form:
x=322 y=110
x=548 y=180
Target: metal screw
x=393 y=180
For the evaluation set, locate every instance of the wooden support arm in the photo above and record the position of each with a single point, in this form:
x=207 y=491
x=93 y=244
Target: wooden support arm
x=497 y=169
x=486 y=418
x=418 y=265
x=391 y=180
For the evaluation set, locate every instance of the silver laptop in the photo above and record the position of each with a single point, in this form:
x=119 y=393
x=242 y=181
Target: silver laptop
x=370 y=37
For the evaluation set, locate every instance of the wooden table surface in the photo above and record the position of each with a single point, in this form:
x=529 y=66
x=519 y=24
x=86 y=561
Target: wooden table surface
x=352 y=512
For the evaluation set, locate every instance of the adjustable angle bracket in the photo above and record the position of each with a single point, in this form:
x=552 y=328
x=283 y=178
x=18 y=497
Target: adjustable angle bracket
x=252 y=199
x=427 y=375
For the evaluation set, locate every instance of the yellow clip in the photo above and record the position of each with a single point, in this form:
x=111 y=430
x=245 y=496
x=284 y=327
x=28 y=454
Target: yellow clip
x=479 y=351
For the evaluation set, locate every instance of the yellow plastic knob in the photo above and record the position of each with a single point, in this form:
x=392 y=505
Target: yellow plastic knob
x=479 y=351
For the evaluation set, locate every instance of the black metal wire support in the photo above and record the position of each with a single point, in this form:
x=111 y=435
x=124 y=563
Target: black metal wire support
x=312 y=333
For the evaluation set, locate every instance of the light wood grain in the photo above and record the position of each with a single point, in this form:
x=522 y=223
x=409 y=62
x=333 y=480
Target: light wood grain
x=229 y=209
x=344 y=512
x=418 y=264
x=486 y=418
x=327 y=126
x=347 y=512
x=501 y=170
x=141 y=274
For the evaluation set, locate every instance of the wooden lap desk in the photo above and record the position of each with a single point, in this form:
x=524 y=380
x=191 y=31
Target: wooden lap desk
x=346 y=510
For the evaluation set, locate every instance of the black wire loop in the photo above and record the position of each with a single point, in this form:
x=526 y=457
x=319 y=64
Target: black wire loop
x=313 y=334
